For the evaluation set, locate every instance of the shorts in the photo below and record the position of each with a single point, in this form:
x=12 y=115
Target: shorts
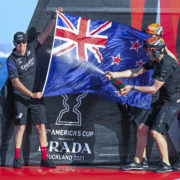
x=34 y=107
x=159 y=117
x=145 y=116
x=163 y=116
x=142 y=115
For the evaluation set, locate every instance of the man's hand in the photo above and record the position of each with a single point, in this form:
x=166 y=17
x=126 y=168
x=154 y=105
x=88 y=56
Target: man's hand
x=109 y=74
x=124 y=91
x=59 y=10
x=37 y=95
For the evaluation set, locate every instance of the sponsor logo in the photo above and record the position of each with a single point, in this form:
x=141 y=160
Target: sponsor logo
x=72 y=133
x=68 y=147
x=19 y=116
x=19 y=61
x=28 y=64
x=66 y=157
x=75 y=111
x=70 y=144
x=178 y=101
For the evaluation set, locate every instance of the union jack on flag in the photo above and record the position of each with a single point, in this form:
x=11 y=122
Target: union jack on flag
x=82 y=36
x=83 y=49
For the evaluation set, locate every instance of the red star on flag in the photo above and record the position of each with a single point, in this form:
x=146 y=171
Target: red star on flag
x=135 y=45
x=139 y=63
x=116 y=60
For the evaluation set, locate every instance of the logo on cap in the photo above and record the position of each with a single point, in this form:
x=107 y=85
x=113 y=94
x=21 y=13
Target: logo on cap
x=20 y=36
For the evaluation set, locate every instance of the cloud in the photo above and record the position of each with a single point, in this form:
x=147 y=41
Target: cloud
x=5 y=49
x=4 y=55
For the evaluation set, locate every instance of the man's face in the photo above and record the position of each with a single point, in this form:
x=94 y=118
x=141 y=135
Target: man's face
x=21 y=47
x=150 y=54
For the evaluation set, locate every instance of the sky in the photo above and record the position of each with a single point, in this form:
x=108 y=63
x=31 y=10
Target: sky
x=15 y=15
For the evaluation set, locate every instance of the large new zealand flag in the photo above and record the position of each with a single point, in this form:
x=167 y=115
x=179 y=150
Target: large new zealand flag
x=83 y=49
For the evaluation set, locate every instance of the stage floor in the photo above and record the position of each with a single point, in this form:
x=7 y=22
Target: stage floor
x=81 y=173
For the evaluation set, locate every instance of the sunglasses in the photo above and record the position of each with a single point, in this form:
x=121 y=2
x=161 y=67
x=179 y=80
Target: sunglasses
x=19 y=42
x=150 y=49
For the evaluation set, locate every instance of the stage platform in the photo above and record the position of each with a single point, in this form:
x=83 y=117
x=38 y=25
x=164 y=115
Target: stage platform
x=81 y=173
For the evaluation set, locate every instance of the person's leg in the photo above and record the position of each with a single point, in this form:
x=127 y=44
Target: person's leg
x=142 y=134
x=18 y=142
x=144 y=153
x=41 y=132
x=140 y=146
x=38 y=115
x=145 y=160
x=162 y=145
x=163 y=149
x=20 y=113
x=144 y=121
x=163 y=120
x=18 y=139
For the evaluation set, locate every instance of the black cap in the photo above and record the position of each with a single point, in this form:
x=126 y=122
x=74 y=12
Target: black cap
x=20 y=36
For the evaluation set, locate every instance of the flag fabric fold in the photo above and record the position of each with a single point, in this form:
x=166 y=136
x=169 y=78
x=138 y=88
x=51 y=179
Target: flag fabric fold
x=83 y=49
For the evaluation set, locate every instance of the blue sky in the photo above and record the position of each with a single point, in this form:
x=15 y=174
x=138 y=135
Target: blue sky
x=15 y=15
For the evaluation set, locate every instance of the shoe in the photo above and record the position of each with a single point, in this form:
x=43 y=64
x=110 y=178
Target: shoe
x=17 y=163
x=163 y=168
x=145 y=163
x=47 y=163
x=176 y=166
x=132 y=166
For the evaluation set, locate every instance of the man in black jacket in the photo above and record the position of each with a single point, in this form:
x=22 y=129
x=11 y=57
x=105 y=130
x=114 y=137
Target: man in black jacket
x=167 y=81
x=21 y=66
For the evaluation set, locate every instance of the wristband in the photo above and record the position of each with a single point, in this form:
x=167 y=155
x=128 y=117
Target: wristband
x=133 y=87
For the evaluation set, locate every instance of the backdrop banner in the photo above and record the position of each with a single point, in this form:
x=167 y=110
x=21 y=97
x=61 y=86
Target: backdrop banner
x=86 y=128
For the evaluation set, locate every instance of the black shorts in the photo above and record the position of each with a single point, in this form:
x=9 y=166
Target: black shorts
x=142 y=115
x=159 y=117
x=162 y=117
x=145 y=116
x=34 y=107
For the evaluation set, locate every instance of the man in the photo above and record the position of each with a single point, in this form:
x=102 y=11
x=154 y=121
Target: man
x=167 y=81
x=142 y=115
x=21 y=66
x=157 y=30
